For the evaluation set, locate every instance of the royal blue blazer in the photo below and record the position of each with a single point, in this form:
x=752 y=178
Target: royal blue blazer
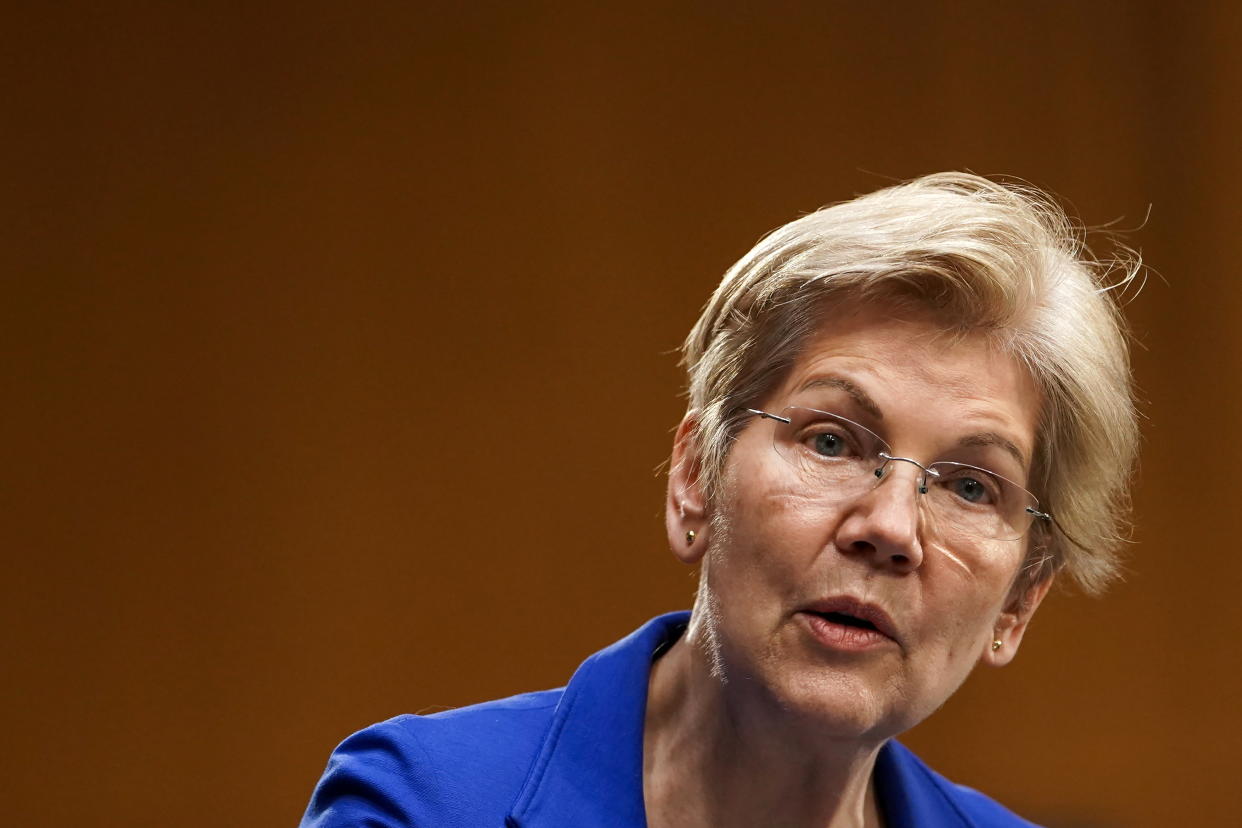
x=567 y=758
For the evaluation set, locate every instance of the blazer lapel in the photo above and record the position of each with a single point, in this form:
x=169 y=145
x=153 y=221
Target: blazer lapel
x=589 y=770
x=913 y=796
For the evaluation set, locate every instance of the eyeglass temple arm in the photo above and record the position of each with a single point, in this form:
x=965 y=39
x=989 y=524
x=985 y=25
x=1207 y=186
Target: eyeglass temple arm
x=1044 y=516
x=768 y=416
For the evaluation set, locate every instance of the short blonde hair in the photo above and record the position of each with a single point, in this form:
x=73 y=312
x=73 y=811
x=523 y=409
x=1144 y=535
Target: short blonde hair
x=980 y=255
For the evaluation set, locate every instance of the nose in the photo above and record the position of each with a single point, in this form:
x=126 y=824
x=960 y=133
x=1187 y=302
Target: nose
x=883 y=524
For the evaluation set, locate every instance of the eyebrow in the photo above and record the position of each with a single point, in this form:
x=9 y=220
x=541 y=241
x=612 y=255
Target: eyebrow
x=860 y=396
x=984 y=438
x=991 y=438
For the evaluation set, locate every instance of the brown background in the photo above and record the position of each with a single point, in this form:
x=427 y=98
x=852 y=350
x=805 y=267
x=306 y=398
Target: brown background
x=338 y=352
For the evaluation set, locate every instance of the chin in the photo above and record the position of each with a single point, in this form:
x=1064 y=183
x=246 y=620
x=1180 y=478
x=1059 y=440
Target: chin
x=840 y=705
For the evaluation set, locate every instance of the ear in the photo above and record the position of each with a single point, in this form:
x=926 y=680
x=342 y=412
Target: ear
x=686 y=507
x=1011 y=623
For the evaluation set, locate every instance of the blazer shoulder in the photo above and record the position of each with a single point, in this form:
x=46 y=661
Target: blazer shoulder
x=985 y=811
x=917 y=791
x=511 y=728
x=977 y=809
x=458 y=767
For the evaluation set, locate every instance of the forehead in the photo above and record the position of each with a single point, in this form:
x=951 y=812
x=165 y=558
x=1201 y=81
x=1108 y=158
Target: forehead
x=898 y=368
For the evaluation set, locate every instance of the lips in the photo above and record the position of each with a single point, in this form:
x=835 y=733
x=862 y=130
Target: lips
x=853 y=612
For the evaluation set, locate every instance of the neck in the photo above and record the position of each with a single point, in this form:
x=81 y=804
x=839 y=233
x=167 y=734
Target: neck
x=720 y=753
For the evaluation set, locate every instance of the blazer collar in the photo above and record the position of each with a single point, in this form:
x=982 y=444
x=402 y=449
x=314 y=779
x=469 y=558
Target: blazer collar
x=589 y=770
x=912 y=794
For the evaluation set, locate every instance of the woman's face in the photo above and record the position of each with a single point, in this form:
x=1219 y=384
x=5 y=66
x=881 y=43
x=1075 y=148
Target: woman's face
x=781 y=556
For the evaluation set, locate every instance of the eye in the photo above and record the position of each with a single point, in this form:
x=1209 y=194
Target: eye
x=830 y=440
x=974 y=487
x=830 y=445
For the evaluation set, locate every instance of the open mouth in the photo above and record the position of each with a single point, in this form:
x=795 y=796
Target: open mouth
x=847 y=620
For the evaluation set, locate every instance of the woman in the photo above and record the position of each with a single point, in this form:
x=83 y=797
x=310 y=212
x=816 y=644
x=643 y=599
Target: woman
x=908 y=414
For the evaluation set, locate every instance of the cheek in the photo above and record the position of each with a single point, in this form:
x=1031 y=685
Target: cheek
x=971 y=602
x=766 y=496
x=774 y=524
x=766 y=538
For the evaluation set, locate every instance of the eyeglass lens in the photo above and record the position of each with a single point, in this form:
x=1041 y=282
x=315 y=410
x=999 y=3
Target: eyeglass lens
x=837 y=458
